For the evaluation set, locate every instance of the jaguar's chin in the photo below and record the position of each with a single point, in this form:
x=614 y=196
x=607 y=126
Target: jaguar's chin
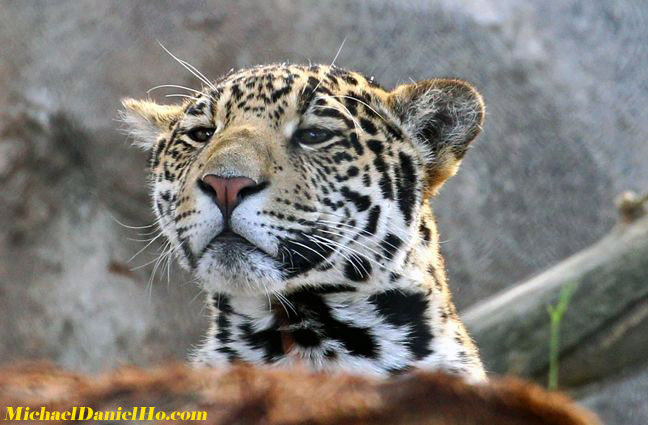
x=238 y=267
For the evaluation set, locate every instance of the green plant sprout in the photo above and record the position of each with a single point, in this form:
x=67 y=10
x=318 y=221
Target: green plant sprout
x=556 y=314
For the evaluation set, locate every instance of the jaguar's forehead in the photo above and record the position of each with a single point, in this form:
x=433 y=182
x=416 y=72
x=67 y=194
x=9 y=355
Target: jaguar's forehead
x=283 y=85
x=286 y=73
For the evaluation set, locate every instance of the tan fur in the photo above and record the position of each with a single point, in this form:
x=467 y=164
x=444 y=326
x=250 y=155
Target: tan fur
x=238 y=149
x=159 y=115
x=246 y=395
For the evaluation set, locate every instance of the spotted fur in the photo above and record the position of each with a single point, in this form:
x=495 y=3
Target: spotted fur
x=338 y=264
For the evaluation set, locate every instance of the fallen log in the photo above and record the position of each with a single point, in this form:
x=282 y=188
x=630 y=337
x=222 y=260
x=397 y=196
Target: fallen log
x=245 y=396
x=604 y=328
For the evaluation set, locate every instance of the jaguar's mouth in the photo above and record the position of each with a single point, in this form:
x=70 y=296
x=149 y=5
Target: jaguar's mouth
x=230 y=243
x=229 y=237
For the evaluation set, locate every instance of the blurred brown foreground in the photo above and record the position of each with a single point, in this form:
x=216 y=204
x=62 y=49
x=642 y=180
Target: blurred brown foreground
x=245 y=395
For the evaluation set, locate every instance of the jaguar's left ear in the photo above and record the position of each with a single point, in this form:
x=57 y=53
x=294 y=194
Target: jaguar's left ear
x=443 y=116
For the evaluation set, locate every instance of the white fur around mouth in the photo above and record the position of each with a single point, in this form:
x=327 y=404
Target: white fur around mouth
x=238 y=268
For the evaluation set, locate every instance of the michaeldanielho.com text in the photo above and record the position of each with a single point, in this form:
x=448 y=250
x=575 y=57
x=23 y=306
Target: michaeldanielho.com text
x=87 y=414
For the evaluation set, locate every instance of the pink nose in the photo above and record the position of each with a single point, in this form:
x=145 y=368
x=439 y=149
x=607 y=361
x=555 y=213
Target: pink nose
x=227 y=191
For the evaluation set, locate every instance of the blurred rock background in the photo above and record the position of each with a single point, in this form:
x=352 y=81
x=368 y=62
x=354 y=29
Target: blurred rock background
x=567 y=130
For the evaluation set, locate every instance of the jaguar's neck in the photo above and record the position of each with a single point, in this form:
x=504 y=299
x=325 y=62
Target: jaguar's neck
x=323 y=324
x=339 y=328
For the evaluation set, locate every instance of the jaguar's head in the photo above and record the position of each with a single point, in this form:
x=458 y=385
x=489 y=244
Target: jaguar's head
x=280 y=176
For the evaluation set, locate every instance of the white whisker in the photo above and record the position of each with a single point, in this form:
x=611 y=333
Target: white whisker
x=186 y=96
x=363 y=103
x=311 y=249
x=175 y=86
x=132 y=227
x=145 y=246
x=353 y=119
x=342 y=254
x=354 y=253
x=192 y=69
x=332 y=62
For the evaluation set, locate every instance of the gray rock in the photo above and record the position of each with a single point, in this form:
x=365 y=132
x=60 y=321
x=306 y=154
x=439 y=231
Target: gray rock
x=620 y=401
x=67 y=290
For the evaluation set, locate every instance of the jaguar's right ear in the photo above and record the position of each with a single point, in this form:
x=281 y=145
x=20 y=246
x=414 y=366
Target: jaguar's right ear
x=444 y=116
x=146 y=120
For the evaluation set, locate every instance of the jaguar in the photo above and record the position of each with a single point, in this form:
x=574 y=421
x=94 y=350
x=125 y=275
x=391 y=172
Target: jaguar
x=299 y=197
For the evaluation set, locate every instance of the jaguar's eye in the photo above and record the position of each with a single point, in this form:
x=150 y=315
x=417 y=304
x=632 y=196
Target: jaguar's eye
x=201 y=134
x=311 y=136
